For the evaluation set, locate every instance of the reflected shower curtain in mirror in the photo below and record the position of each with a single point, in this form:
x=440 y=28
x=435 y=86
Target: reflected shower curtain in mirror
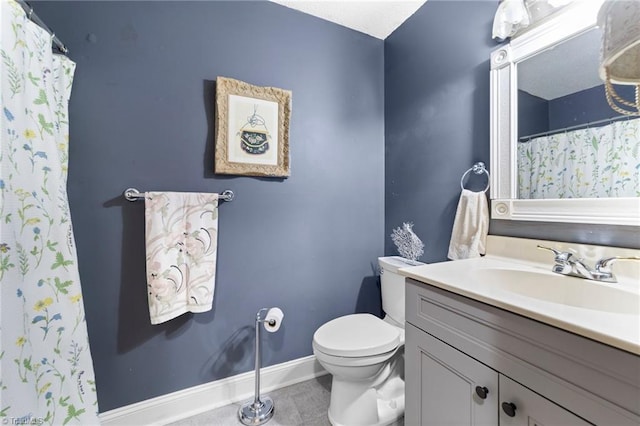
x=47 y=373
x=600 y=162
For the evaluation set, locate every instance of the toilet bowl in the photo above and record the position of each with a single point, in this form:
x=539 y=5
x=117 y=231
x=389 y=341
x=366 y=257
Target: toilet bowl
x=365 y=355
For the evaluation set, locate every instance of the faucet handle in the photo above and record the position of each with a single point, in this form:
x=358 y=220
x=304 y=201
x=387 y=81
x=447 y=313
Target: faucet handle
x=604 y=265
x=560 y=256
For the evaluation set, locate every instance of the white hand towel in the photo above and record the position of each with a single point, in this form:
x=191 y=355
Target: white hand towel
x=470 y=227
x=181 y=243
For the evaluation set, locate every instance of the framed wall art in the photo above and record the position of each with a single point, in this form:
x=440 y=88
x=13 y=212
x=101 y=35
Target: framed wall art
x=252 y=129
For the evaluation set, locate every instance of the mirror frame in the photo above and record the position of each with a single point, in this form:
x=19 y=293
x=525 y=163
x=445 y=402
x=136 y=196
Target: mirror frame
x=569 y=22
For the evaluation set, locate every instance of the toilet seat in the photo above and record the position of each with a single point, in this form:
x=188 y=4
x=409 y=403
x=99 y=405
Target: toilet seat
x=356 y=335
x=352 y=361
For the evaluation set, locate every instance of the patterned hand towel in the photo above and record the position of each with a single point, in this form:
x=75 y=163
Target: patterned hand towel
x=470 y=227
x=181 y=243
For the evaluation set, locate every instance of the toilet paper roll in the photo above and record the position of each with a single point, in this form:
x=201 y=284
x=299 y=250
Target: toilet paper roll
x=273 y=319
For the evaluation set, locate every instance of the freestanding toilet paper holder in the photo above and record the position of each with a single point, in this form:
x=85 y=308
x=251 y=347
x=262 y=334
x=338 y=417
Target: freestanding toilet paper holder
x=260 y=410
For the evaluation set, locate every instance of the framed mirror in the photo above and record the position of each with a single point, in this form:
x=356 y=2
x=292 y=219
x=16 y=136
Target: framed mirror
x=559 y=153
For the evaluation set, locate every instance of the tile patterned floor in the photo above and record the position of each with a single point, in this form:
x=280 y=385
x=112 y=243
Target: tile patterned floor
x=303 y=404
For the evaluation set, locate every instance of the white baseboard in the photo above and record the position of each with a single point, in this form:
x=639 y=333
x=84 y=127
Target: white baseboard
x=199 y=399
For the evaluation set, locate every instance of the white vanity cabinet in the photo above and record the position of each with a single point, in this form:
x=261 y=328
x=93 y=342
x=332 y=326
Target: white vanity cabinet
x=441 y=382
x=455 y=389
x=459 y=350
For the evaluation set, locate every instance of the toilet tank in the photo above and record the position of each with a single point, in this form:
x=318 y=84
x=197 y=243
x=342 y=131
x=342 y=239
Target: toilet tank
x=392 y=286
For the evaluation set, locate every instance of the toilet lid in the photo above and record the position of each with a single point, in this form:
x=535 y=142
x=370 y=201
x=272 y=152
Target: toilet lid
x=356 y=335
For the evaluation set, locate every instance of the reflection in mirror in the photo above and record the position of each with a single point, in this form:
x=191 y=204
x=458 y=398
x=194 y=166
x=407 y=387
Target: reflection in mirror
x=571 y=144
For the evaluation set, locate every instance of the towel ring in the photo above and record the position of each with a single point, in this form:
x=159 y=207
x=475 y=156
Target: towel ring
x=478 y=168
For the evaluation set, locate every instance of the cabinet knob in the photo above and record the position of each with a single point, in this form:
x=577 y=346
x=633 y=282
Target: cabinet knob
x=509 y=409
x=482 y=392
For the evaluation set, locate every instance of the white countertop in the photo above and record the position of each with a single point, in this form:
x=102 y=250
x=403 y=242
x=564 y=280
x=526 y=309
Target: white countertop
x=621 y=330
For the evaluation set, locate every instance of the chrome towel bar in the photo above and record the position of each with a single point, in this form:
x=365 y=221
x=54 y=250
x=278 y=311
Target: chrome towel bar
x=133 y=194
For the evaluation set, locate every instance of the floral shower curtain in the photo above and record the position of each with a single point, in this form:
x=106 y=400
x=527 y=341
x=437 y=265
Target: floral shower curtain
x=46 y=368
x=588 y=163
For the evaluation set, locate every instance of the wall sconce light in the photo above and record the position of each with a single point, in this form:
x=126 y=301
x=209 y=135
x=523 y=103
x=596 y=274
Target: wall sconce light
x=619 y=21
x=511 y=16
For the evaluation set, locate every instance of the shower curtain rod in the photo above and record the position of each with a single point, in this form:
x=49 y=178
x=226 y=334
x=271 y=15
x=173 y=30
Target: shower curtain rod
x=35 y=18
x=579 y=126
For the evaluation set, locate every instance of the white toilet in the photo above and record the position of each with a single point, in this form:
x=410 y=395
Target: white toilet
x=365 y=355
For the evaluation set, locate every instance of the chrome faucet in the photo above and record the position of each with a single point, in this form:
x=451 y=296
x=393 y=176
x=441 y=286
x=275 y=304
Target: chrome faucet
x=568 y=264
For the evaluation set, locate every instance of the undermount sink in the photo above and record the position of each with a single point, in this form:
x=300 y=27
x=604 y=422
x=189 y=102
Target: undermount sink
x=561 y=289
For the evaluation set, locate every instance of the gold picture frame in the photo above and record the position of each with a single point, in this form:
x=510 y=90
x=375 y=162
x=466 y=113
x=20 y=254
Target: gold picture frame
x=252 y=129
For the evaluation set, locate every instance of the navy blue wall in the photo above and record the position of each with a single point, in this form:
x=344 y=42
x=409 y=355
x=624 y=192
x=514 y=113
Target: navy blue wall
x=142 y=113
x=437 y=126
x=583 y=107
x=533 y=114
x=536 y=115
x=436 y=116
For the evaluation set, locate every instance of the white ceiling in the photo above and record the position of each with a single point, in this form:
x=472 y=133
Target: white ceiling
x=567 y=68
x=376 y=18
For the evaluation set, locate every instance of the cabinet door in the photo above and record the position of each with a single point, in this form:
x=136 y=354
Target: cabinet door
x=530 y=409
x=441 y=382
